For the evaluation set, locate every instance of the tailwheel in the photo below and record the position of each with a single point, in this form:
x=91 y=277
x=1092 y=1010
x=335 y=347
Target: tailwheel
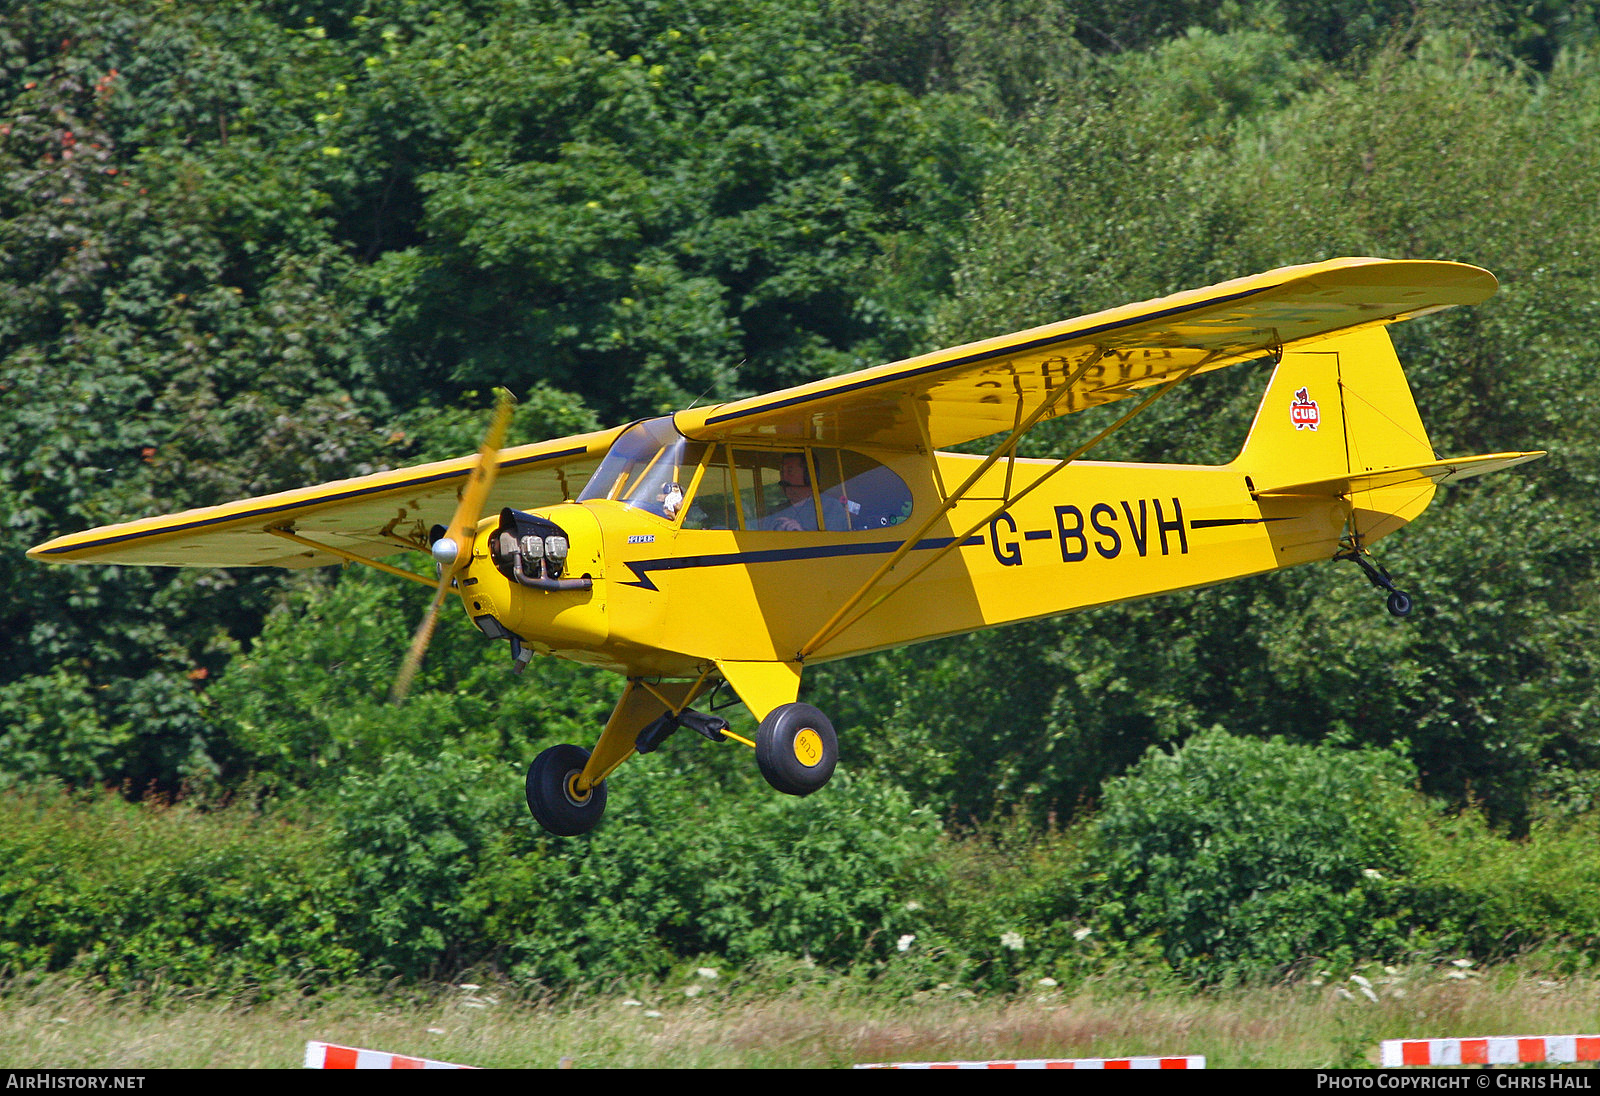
x=1399 y=603
x=796 y=749
x=553 y=795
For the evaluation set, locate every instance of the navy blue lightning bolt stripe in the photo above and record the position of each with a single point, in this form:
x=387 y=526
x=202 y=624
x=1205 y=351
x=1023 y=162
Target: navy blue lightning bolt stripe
x=1214 y=523
x=642 y=568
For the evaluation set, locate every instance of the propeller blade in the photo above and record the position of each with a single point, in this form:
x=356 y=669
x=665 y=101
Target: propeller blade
x=454 y=548
x=464 y=525
x=419 y=644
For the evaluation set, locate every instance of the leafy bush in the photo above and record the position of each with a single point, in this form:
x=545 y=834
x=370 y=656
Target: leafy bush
x=1232 y=859
x=686 y=865
x=431 y=865
x=1242 y=857
x=1494 y=898
x=415 y=836
x=1011 y=911
x=135 y=894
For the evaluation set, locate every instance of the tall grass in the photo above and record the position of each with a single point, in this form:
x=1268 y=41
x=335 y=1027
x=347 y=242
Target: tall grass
x=826 y=1024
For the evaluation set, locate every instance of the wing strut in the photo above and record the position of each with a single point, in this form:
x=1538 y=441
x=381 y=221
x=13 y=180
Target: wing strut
x=838 y=624
x=351 y=557
x=833 y=627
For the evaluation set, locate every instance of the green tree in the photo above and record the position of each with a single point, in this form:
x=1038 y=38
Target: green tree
x=649 y=203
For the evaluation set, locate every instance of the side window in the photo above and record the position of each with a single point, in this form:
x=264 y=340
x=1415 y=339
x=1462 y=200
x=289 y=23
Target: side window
x=714 y=505
x=873 y=495
x=775 y=489
x=838 y=515
x=799 y=490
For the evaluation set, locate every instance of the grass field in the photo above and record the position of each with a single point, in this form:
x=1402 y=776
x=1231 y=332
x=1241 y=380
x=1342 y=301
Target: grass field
x=703 y=1025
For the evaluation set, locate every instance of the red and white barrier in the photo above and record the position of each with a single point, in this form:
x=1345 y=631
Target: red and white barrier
x=333 y=1056
x=1192 y=1061
x=1493 y=1050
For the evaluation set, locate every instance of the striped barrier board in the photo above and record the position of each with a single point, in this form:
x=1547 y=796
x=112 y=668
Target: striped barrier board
x=333 y=1056
x=1493 y=1050
x=1191 y=1061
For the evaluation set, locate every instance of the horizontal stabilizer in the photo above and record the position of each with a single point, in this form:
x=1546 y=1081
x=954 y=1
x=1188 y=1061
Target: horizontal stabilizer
x=1437 y=472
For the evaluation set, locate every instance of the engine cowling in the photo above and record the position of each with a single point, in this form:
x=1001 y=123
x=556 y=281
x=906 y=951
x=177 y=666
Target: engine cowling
x=537 y=578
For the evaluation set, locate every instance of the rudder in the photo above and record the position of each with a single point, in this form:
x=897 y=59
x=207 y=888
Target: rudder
x=1340 y=407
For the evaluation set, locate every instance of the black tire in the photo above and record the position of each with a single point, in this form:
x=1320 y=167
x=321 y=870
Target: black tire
x=551 y=800
x=1400 y=603
x=796 y=749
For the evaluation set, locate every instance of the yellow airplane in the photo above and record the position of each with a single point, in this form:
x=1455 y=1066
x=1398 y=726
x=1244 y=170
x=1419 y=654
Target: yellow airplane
x=735 y=544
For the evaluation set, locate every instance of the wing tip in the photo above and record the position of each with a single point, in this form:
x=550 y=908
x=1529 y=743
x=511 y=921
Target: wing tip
x=56 y=550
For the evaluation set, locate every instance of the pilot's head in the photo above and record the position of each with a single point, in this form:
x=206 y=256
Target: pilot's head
x=793 y=477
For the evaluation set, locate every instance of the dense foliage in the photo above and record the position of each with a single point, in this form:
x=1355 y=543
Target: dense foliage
x=1236 y=854
x=1231 y=859
x=250 y=246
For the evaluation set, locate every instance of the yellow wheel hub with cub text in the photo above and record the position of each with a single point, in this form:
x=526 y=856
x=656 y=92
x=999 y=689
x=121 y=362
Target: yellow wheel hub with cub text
x=808 y=747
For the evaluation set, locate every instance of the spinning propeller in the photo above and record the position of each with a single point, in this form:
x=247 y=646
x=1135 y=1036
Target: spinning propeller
x=453 y=548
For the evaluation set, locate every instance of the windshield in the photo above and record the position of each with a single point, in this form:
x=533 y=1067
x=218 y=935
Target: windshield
x=649 y=467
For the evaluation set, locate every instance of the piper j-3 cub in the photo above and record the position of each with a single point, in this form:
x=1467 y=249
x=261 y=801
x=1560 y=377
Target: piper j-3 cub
x=736 y=544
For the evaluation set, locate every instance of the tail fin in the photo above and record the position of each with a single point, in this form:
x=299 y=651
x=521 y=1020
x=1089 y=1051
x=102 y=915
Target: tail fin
x=1340 y=405
x=1338 y=421
x=1335 y=411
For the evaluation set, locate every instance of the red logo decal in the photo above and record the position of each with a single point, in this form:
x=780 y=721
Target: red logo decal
x=1303 y=411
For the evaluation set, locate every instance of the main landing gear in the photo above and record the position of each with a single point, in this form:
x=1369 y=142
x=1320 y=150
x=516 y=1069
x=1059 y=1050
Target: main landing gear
x=796 y=750
x=1399 y=603
x=553 y=795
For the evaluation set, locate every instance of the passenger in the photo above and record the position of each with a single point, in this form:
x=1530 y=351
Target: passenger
x=669 y=500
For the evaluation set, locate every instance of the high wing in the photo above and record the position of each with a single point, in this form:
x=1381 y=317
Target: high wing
x=983 y=388
x=939 y=400
x=360 y=518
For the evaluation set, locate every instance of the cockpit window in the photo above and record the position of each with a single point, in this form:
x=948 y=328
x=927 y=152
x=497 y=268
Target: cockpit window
x=796 y=490
x=649 y=467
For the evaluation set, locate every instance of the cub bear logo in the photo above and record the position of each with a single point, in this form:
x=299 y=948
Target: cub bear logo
x=1303 y=411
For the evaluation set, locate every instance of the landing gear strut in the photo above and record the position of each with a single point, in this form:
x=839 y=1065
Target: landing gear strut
x=1400 y=603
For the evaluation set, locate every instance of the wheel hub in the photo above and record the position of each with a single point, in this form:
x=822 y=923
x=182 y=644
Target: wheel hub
x=808 y=748
x=570 y=786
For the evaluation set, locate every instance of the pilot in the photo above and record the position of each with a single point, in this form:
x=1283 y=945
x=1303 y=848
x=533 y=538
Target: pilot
x=795 y=481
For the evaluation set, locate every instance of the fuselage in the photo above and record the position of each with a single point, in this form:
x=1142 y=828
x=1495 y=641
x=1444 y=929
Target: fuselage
x=668 y=599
